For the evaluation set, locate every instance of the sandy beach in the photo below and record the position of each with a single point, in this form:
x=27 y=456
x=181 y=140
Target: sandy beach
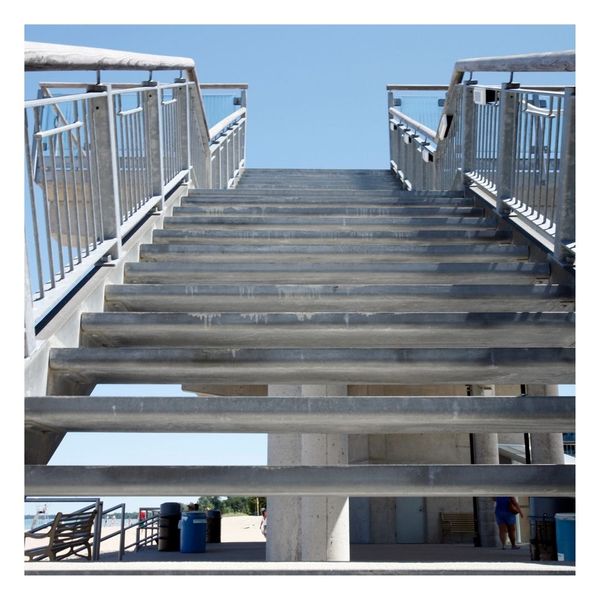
x=233 y=529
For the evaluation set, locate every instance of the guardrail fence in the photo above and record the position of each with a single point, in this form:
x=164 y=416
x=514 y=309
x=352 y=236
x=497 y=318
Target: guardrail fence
x=98 y=161
x=515 y=145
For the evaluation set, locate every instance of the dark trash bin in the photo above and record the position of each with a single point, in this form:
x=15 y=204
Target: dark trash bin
x=168 y=527
x=542 y=537
x=213 y=527
x=193 y=531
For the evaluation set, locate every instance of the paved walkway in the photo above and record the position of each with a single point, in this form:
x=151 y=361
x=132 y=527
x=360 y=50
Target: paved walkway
x=248 y=558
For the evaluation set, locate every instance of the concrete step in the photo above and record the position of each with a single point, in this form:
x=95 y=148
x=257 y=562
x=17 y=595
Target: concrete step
x=324 y=235
x=312 y=298
x=347 y=480
x=267 y=210
x=328 y=221
x=397 y=193
x=334 y=272
x=314 y=198
x=270 y=414
x=329 y=330
x=314 y=253
x=73 y=367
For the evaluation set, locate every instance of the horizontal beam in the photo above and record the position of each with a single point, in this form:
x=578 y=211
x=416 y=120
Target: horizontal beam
x=354 y=480
x=354 y=414
x=59 y=57
x=329 y=329
x=88 y=366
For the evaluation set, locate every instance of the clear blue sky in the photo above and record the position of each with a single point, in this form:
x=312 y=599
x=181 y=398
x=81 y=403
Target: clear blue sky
x=316 y=99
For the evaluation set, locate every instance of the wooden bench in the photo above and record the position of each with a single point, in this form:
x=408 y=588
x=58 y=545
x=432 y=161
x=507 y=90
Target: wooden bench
x=67 y=534
x=457 y=523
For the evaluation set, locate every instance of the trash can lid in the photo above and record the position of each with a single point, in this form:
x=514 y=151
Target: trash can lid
x=565 y=516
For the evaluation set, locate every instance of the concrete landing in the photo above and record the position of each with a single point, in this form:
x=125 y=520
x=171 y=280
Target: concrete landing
x=248 y=558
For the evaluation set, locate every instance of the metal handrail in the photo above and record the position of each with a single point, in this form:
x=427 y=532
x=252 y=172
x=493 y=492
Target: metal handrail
x=95 y=177
x=510 y=148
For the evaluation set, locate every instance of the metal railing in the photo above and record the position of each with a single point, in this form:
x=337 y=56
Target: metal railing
x=514 y=145
x=99 y=161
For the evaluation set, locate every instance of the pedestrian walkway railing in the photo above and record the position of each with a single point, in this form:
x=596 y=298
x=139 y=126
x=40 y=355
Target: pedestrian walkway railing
x=513 y=144
x=99 y=161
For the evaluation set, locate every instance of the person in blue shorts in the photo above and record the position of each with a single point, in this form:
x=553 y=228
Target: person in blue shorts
x=506 y=519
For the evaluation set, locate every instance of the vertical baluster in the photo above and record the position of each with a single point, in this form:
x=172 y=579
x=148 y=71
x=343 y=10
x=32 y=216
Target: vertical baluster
x=94 y=184
x=557 y=127
x=506 y=148
x=66 y=200
x=34 y=216
x=81 y=152
x=57 y=207
x=70 y=135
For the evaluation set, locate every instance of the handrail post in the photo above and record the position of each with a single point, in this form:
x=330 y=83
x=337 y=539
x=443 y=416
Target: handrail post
x=565 y=214
x=469 y=132
x=106 y=158
x=183 y=113
x=153 y=110
x=506 y=147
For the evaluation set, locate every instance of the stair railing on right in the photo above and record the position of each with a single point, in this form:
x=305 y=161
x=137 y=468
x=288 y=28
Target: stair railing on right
x=514 y=145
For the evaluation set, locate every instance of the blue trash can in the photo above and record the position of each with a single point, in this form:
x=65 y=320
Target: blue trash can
x=193 y=531
x=565 y=536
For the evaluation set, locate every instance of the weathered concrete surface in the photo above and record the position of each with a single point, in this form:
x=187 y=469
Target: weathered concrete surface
x=352 y=414
x=351 y=480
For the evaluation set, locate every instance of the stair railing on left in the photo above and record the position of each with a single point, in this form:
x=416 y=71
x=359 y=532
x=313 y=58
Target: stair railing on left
x=99 y=162
x=514 y=145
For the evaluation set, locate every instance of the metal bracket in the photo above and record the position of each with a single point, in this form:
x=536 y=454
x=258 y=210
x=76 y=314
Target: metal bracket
x=471 y=81
x=510 y=85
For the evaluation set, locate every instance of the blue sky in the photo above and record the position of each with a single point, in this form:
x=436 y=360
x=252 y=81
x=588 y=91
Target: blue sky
x=316 y=99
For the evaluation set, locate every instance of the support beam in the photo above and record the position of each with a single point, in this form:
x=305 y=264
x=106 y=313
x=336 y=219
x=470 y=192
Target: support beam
x=350 y=480
x=278 y=414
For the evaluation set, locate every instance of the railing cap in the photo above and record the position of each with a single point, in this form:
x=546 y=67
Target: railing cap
x=540 y=61
x=59 y=57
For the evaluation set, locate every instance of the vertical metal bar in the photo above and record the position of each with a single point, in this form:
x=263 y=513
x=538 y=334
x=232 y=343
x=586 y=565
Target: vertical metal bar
x=34 y=217
x=93 y=171
x=557 y=127
x=528 y=193
x=506 y=148
x=80 y=155
x=56 y=207
x=28 y=323
x=75 y=198
x=120 y=137
x=122 y=536
x=565 y=222
x=47 y=217
x=66 y=201
x=97 y=530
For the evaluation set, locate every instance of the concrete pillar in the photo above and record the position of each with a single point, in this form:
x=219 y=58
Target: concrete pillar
x=325 y=525
x=283 y=533
x=546 y=448
x=485 y=452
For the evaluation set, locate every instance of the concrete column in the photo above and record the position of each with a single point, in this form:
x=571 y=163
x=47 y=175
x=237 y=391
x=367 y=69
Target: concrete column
x=325 y=528
x=485 y=452
x=546 y=448
x=283 y=533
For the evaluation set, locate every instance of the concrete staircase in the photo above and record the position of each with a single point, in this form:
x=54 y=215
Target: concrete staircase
x=319 y=277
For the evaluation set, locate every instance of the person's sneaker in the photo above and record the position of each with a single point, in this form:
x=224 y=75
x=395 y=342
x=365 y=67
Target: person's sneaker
x=516 y=547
